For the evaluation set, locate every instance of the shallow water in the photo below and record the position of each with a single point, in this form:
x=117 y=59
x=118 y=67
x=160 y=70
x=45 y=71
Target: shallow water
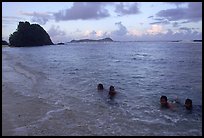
x=141 y=72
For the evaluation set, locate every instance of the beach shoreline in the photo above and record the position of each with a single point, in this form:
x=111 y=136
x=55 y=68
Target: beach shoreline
x=26 y=115
x=19 y=111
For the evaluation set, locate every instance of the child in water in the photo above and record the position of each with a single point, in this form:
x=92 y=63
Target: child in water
x=100 y=86
x=188 y=104
x=112 y=92
x=164 y=102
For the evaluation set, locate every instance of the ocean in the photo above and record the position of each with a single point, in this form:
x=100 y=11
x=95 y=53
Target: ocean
x=68 y=75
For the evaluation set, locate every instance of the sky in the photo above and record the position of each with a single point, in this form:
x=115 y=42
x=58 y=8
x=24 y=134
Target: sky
x=121 y=21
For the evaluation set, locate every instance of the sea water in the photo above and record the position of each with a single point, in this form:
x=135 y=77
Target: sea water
x=141 y=72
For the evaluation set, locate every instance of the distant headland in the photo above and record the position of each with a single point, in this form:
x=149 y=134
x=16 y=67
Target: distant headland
x=91 y=40
x=197 y=40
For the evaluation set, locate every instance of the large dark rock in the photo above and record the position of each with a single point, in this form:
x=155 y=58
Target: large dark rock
x=29 y=35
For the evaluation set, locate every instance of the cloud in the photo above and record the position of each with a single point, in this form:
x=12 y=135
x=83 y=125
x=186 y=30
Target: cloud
x=134 y=32
x=127 y=8
x=9 y=25
x=175 y=24
x=150 y=16
x=154 y=33
x=57 y=34
x=83 y=11
x=122 y=30
x=99 y=33
x=55 y=31
x=183 y=34
x=192 y=13
x=90 y=34
x=41 y=18
x=159 y=19
x=161 y=22
x=123 y=34
x=155 y=29
x=10 y=19
x=187 y=30
x=185 y=22
x=95 y=34
x=184 y=28
x=176 y=3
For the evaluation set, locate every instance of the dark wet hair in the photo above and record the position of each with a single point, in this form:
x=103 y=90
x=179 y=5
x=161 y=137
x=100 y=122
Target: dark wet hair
x=100 y=86
x=163 y=97
x=188 y=101
x=111 y=91
x=111 y=88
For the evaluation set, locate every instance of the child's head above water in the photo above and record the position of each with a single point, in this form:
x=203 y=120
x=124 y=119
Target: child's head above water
x=163 y=101
x=188 y=104
x=100 y=86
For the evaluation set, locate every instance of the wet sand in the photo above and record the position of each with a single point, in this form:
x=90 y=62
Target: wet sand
x=18 y=112
x=28 y=116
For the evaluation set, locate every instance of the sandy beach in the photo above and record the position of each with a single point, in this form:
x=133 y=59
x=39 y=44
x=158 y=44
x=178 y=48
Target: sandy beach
x=27 y=116
x=18 y=112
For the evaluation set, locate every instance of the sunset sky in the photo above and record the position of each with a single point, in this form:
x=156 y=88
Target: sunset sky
x=122 y=21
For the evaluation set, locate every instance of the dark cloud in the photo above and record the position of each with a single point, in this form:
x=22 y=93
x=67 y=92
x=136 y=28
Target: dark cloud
x=192 y=13
x=150 y=17
x=83 y=11
x=185 y=22
x=159 y=19
x=127 y=8
x=41 y=18
x=184 y=28
x=161 y=22
x=175 y=24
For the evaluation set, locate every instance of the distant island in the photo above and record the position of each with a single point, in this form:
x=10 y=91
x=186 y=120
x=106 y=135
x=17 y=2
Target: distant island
x=4 y=42
x=176 y=40
x=91 y=40
x=29 y=35
x=197 y=40
x=61 y=43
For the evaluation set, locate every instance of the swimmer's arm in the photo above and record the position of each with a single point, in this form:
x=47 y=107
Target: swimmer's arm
x=176 y=100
